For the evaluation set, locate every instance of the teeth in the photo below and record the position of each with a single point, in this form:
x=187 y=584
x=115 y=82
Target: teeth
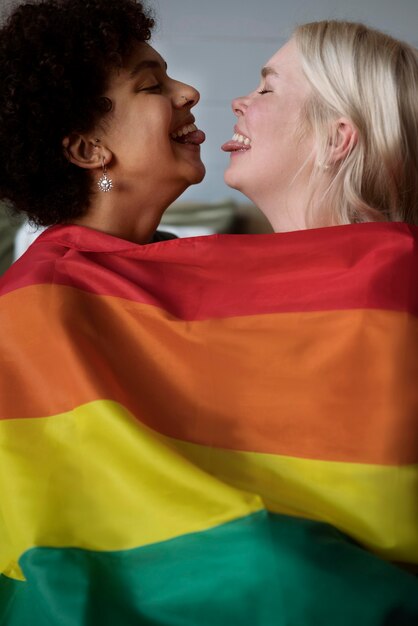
x=241 y=139
x=190 y=128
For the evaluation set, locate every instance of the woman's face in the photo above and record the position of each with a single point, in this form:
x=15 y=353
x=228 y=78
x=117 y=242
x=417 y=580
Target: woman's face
x=269 y=118
x=149 y=109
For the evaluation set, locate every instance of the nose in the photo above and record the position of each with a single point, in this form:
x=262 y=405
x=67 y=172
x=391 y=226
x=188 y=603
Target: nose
x=239 y=105
x=185 y=96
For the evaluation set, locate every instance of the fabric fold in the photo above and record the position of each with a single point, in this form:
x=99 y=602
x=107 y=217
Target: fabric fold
x=210 y=427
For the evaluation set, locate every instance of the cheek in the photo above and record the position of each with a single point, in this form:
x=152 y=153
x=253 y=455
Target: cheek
x=147 y=123
x=258 y=119
x=266 y=127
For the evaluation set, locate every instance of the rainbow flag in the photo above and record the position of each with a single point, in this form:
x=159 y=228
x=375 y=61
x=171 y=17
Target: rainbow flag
x=210 y=431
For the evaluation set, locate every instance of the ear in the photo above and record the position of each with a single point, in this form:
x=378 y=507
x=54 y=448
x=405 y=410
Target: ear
x=344 y=138
x=85 y=151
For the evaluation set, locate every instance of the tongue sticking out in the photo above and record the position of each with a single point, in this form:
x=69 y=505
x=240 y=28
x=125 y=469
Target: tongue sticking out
x=196 y=137
x=235 y=146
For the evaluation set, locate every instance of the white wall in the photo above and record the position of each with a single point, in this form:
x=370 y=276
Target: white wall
x=219 y=46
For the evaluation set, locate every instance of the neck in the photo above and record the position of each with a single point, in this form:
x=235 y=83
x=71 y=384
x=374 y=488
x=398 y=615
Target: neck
x=125 y=215
x=296 y=208
x=284 y=212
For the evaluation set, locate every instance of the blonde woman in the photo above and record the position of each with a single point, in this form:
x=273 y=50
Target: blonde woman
x=327 y=148
x=330 y=135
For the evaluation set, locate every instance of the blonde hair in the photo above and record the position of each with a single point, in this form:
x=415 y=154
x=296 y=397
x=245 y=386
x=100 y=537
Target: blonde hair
x=372 y=79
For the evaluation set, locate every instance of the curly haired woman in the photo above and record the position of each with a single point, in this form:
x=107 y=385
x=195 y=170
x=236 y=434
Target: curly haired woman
x=83 y=94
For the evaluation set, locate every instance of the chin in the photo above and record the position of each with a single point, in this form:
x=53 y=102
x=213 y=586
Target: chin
x=197 y=175
x=188 y=179
x=201 y=175
x=232 y=180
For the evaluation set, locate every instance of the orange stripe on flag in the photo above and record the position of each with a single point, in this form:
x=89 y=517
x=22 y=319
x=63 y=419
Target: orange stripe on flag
x=268 y=383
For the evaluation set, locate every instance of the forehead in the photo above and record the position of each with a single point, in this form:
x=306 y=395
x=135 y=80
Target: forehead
x=286 y=59
x=142 y=53
x=287 y=65
x=143 y=58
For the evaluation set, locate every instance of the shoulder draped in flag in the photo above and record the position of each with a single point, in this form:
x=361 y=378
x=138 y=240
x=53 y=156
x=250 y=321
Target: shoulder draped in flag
x=213 y=430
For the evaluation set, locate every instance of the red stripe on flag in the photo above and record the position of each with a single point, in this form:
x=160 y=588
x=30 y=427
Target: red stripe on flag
x=362 y=266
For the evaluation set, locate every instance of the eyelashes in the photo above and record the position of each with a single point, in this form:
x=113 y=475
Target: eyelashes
x=156 y=87
x=263 y=91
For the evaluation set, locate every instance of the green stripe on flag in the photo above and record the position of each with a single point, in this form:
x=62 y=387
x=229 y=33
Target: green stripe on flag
x=261 y=570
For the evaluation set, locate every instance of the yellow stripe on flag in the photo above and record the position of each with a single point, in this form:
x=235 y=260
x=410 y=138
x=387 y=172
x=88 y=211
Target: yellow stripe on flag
x=96 y=478
x=374 y=504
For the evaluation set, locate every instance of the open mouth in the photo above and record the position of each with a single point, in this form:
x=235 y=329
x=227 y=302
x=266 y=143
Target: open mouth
x=238 y=143
x=188 y=134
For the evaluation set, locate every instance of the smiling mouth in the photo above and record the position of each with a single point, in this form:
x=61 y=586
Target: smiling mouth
x=189 y=134
x=238 y=143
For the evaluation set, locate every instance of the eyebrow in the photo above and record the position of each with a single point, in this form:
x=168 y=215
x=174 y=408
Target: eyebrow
x=268 y=71
x=147 y=64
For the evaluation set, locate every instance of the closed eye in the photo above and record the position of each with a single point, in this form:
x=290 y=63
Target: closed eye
x=155 y=87
x=263 y=91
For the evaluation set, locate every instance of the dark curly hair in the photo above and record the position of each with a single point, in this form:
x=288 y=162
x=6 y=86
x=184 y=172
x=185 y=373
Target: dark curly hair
x=55 y=60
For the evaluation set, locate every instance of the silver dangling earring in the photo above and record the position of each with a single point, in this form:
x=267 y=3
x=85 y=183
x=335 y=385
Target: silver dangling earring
x=105 y=183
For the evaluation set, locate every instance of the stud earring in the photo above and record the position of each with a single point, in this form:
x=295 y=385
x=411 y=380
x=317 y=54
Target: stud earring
x=105 y=183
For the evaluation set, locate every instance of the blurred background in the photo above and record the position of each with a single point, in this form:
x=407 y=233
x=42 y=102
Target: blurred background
x=219 y=46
